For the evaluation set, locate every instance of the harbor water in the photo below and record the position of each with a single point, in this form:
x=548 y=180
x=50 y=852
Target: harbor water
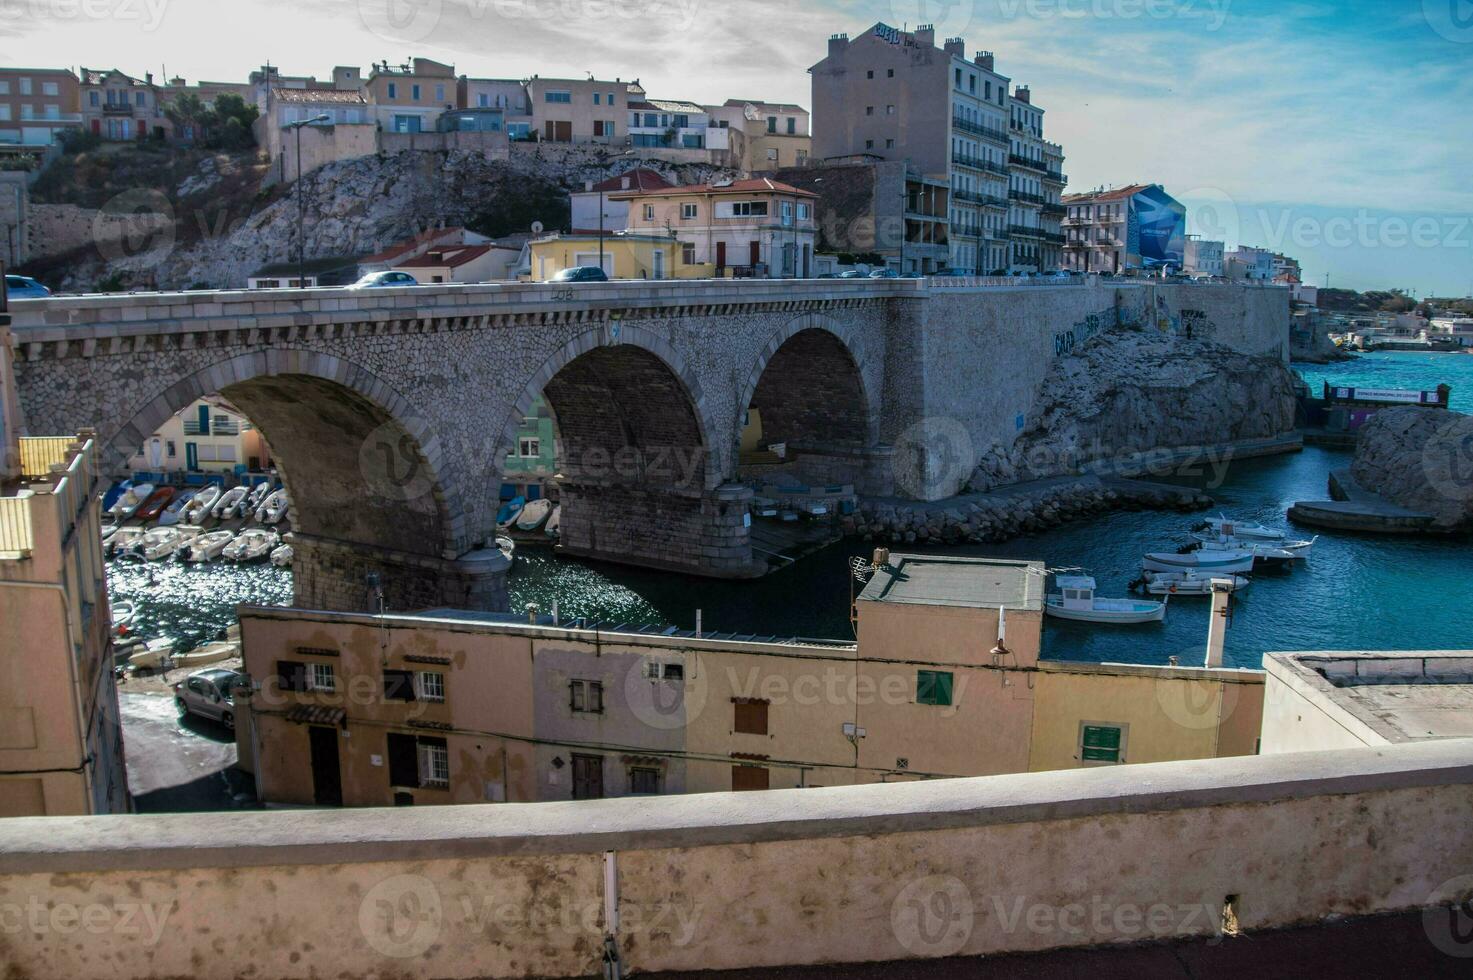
x=1355 y=592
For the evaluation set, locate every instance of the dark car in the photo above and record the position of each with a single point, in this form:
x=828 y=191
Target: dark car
x=581 y=273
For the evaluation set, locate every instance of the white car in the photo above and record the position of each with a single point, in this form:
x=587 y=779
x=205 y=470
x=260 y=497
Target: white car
x=206 y=693
x=379 y=280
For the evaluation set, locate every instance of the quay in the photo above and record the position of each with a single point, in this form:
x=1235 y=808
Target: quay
x=1353 y=508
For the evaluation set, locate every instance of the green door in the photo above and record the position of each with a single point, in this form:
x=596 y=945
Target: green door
x=191 y=457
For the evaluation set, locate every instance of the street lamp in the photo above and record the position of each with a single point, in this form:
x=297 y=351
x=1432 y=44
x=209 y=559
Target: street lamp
x=302 y=198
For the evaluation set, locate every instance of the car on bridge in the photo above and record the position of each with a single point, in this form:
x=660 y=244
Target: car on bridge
x=884 y=274
x=581 y=273
x=207 y=693
x=380 y=280
x=24 y=287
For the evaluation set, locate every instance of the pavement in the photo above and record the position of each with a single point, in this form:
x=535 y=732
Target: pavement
x=178 y=765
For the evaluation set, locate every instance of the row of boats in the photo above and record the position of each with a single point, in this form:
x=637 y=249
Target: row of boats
x=529 y=515
x=1222 y=554
x=195 y=544
x=175 y=505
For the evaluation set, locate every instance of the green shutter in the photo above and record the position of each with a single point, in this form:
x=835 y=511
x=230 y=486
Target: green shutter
x=1101 y=743
x=933 y=687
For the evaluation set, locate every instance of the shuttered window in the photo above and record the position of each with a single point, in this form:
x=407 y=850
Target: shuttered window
x=291 y=675
x=750 y=716
x=398 y=685
x=933 y=687
x=1101 y=743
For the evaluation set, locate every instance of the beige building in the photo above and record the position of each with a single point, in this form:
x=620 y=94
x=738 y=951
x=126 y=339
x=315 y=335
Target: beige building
x=896 y=95
x=409 y=98
x=61 y=746
x=569 y=110
x=773 y=135
x=120 y=107
x=37 y=104
x=757 y=227
x=338 y=124
x=944 y=680
x=210 y=436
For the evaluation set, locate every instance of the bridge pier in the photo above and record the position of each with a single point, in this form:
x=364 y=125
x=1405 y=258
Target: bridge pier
x=870 y=470
x=334 y=576
x=703 y=532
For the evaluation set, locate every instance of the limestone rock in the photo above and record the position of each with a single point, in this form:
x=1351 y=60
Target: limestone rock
x=1421 y=459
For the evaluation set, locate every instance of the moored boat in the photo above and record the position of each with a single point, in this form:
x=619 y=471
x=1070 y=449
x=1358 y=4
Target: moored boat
x=1207 y=562
x=281 y=557
x=155 y=504
x=1076 y=600
x=124 y=540
x=230 y=503
x=174 y=513
x=1189 y=583
x=1226 y=527
x=132 y=499
x=163 y=542
x=204 y=502
x=153 y=654
x=123 y=613
x=554 y=526
x=534 y=514
x=250 y=545
x=510 y=511
x=257 y=496
x=207 y=547
x=273 y=508
x=507 y=547
x=1293 y=549
x=209 y=653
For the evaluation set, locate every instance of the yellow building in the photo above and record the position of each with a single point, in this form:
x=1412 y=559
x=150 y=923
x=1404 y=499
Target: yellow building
x=61 y=749
x=624 y=255
x=945 y=680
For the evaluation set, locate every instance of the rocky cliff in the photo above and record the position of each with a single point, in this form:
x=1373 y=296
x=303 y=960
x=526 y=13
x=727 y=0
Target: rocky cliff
x=1129 y=392
x=1421 y=459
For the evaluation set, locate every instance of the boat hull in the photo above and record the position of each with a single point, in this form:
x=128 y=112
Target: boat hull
x=1147 y=612
x=1193 y=562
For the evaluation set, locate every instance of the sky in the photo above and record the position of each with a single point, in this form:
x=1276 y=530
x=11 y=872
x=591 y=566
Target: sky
x=1339 y=133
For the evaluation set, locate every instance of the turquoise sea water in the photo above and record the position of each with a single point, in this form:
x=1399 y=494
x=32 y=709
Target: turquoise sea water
x=1356 y=592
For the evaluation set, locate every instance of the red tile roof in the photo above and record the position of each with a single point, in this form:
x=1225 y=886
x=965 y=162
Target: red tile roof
x=758 y=185
x=450 y=257
x=1114 y=194
x=641 y=179
x=409 y=245
x=325 y=95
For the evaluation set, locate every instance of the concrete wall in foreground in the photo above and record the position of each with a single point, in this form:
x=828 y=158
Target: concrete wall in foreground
x=839 y=875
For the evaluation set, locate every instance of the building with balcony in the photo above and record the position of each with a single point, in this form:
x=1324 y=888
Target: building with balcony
x=409 y=98
x=1202 y=257
x=211 y=436
x=119 y=107
x=773 y=135
x=581 y=110
x=37 y=105
x=897 y=95
x=757 y=228
x=1249 y=263
x=1136 y=227
x=61 y=746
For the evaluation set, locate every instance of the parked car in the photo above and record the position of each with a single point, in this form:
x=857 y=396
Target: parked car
x=378 y=280
x=884 y=274
x=206 y=693
x=852 y=274
x=911 y=275
x=24 y=287
x=581 y=273
x=954 y=274
x=1057 y=274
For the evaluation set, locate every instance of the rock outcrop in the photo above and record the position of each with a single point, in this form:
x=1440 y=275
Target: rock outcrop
x=1131 y=392
x=1421 y=459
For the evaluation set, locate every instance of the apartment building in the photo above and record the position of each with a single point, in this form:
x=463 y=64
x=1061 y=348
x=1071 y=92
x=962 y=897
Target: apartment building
x=946 y=679
x=756 y=228
x=896 y=95
x=208 y=436
x=667 y=124
x=342 y=127
x=567 y=110
x=505 y=96
x=410 y=98
x=773 y=134
x=61 y=746
x=1249 y=263
x=38 y=104
x=119 y=107
x=1202 y=257
x=597 y=206
x=1136 y=227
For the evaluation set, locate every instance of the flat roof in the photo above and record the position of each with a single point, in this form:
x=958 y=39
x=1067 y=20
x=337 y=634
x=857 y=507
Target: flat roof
x=979 y=583
x=1402 y=695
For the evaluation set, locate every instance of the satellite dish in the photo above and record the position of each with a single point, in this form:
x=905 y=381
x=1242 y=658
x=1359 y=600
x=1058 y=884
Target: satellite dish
x=536 y=227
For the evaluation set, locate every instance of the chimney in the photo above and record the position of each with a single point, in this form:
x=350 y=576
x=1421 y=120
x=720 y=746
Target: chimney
x=838 y=44
x=1022 y=94
x=956 y=46
x=926 y=35
x=624 y=182
x=986 y=60
x=148 y=77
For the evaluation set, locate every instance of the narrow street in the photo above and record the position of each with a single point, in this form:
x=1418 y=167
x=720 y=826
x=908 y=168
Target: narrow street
x=179 y=764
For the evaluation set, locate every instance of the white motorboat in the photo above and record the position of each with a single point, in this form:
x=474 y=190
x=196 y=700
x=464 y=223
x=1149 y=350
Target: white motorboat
x=1294 y=549
x=507 y=547
x=153 y=654
x=163 y=542
x=1076 y=600
x=532 y=515
x=209 y=653
x=282 y=556
x=554 y=526
x=108 y=530
x=257 y=496
x=1226 y=527
x=1205 y=562
x=124 y=540
x=230 y=504
x=250 y=545
x=132 y=499
x=203 y=503
x=207 y=547
x=174 y=513
x=1189 y=583
x=123 y=614
x=273 y=508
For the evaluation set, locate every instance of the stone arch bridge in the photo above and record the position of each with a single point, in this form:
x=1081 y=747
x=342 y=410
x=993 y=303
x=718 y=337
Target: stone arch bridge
x=390 y=412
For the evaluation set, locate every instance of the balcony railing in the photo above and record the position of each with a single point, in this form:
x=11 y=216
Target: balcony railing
x=978 y=163
x=1054 y=177
x=1055 y=210
x=120 y=109
x=1028 y=231
x=1026 y=198
x=977 y=129
x=1026 y=163
x=965 y=231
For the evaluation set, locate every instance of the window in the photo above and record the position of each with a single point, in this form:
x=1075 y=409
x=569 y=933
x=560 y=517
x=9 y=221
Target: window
x=772 y=124
x=890 y=144
x=92 y=98
x=5 y=90
x=869 y=110
x=483 y=101
x=1101 y=743
x=173 y=449
x=644 y=781
x=434 y=763
x=50 y=88
x=749 y=209
x=792 y=126
x=688 y=253
x=869 y=144
x=25 y=86
x=398 y=685
x=889 y=110
x=320 y=677
x=749 y=716
x=787 y=212
x=611 y=98
x=529 y=448
x=439 y=93
x=597 y=98
x=933 y=687
x=586 y=697
x=649 y=212
x=429 y=685
x=598 y=128
x=890 y=73
x=28 y=111
x=562 y=97
x=658 y=670
x=414 y=92
x=804 y=211
x=870 y=73
x=687 y=211
x=393 y=90
x=291 y=675
x=958 y=78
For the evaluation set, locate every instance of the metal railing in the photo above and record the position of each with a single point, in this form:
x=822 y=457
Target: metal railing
x=1055 y=177
x=979 y=163
x=977 y=129
x=1025 y=197
x=1026 y=163
x=15 y=526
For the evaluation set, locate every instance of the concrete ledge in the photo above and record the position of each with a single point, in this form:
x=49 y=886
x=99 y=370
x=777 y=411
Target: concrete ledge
x=196 y=841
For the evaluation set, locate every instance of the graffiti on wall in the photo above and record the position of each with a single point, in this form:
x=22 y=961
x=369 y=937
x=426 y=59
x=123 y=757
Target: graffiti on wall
x=1066 y=341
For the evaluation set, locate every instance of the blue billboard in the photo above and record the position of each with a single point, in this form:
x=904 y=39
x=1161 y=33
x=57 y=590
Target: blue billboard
x=1157 y=229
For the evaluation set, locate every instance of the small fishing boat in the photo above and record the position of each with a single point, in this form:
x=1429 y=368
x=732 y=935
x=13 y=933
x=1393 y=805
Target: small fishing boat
x=174 y=513
x=510 y=511
x=1188 y=583
x=163 y=542
x=109 y=528
x=281 y=557
x=132 y=499
x=257 y=496
x=155 y=504
x=507 y=547
x=113 y=493
x=1076 y=600
x=204 y=502
x=554 y=526
x=123 y=614
x=1296 y=549
x=207 y=547
x=153 y=654
x=124 y=540
x=273 y=508
x=209 y=653
x=1206 y=562
x=251 y=545
x=230 y=504
x=1226 y=527
x=534 y=514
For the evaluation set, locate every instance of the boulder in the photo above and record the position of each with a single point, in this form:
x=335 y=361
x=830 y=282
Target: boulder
x=1421 y=459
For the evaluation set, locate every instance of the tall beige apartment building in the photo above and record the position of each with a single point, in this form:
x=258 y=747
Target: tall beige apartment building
x=896 y=95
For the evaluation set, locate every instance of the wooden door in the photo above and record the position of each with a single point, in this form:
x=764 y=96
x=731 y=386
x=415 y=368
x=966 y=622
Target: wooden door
x=749 y=777
x=588 y=777
x=721 y=255
x=327 y=782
